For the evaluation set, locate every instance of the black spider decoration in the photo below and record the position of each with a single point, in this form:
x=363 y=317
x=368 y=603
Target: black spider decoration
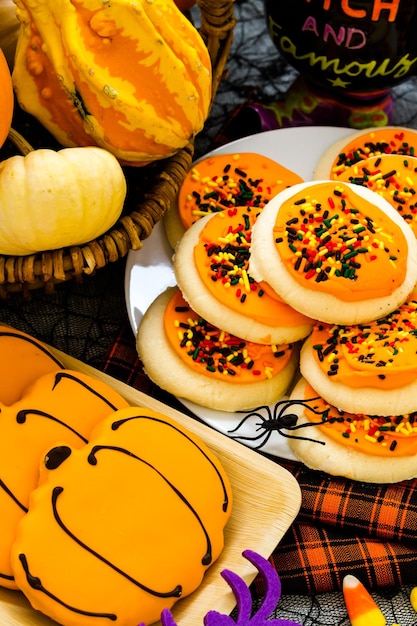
x=275 y=419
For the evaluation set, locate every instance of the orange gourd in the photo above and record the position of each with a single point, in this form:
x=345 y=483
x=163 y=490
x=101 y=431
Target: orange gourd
x=131 y=77
x=9 y=27
x=6 y=99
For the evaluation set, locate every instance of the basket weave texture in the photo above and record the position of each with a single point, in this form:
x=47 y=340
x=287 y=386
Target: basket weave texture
x=152 y=190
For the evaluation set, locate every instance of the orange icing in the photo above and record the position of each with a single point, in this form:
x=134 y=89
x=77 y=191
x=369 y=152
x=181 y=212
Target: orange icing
x=228 y=180
x=59 y=406
x=392 y=176
x=333 y=241
x=375 y=143
x=380 y=354
x=23 y=360
x=215 y=353
x=133 y=519
x=372 y=435
x=222 y=260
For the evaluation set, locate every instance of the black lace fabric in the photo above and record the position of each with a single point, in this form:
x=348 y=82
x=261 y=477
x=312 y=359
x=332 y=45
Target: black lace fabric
x=328 y=609
x=256 y=72
x=83 y=319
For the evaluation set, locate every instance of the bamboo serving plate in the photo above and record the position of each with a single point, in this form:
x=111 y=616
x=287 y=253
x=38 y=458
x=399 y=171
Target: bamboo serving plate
x=266 y=501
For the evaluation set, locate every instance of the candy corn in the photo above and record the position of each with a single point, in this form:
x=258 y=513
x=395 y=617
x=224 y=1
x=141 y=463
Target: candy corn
x=361 y=608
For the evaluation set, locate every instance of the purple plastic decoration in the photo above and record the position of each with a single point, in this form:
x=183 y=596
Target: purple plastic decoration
x=244 y=599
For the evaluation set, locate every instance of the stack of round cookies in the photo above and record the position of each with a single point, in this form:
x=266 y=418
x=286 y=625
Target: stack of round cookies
x=222 y=340
x=318 y=283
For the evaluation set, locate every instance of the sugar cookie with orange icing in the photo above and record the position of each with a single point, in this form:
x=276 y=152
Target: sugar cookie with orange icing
x=369 y=448
x=366 y=368
x=222 y=181
x=363 y=144
x=59 y=406
x=192 y=359
x=125 y=526
x=392 y=176
x=22 y=360
x=211 y=268
x=335 y=251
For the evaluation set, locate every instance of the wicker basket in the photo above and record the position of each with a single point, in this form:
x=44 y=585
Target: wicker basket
x=151 y=189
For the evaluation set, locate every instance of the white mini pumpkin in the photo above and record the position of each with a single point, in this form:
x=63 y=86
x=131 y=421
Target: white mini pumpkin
x=51 y=200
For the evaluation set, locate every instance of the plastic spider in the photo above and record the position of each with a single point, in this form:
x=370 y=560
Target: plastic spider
x=275 y=419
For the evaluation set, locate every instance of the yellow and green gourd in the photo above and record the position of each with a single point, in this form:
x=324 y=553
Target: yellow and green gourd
x=133 y=77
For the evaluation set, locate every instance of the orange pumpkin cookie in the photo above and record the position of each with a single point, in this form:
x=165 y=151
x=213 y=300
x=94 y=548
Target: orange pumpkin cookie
x=337 y=252
x=192 y=359
x=23 y=360
x=369 y=448
x=363 y=144
x=132 y=520
x=225 y=181
x=392 y=176
x=63 y=405
x=366 y=368
x=211 y=268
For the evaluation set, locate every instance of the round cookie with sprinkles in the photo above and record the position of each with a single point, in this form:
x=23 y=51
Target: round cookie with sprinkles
x=224 y=181
x=392 y=176
x=337 y=252
x=366 y=368
x=363 y=144
x=191 y=359
x=369 y=448
x=211 y=268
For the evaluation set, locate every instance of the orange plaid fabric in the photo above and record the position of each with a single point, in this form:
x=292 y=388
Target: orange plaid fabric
x=343 y=527
x=348 y=527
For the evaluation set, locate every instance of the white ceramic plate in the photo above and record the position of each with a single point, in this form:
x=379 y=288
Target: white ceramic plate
x=149 y=272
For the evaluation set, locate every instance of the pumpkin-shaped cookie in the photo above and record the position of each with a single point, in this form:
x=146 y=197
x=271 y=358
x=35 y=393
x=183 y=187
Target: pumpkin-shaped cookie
x=22 y=360
x=125 y=526
x=59 y=406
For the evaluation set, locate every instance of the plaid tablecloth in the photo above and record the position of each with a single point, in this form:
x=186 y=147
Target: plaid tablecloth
x=343 y=527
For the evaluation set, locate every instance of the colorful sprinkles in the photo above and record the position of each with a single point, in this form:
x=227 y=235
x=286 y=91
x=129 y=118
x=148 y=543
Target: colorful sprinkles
x=219 y=353
x=378 y=344
x=396 y=144
x=229 y=256
x=231 y=188
x=221 y=258
x=226 y=181
x=386 y=433
x=394 y=178
x=376 y=429
x=333 y=238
